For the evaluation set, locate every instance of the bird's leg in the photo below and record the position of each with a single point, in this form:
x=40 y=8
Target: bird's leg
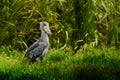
x=41 y=58
x=32 y=60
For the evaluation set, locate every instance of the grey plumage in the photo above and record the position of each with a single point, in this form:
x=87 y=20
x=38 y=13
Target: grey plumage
x=38 y=49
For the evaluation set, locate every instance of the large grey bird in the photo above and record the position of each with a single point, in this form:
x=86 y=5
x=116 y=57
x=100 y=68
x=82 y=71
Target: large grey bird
x=38 y=49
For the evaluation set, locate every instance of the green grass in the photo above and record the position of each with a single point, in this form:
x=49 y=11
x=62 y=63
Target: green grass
x=60 y=65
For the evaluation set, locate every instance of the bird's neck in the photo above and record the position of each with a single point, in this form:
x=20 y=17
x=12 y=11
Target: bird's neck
x=44 y=37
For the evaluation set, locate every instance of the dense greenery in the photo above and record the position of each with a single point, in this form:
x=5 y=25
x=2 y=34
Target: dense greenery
x=80 y=21
x=92 y=64
x=84 y=45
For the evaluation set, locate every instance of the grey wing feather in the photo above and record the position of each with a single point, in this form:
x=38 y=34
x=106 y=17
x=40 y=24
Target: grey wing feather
x=38 y=50
x=35 y=51
x=33 y=46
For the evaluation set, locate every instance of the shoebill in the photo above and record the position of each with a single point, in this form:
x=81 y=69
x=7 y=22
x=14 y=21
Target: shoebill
x=38 y=49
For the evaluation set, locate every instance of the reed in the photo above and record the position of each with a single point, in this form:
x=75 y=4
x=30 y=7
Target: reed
x=82 y=22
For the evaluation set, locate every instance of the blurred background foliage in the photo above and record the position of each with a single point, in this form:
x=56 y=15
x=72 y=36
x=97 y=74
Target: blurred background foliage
x=75 y=24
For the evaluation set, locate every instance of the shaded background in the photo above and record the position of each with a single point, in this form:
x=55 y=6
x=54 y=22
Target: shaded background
x=74 y=23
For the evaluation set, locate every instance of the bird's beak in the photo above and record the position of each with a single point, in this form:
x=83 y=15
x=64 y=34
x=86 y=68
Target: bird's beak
x=47 y=30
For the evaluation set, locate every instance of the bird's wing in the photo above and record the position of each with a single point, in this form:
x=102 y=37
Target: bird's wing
x=33 y=46
x=36 y=50
x=39 y=49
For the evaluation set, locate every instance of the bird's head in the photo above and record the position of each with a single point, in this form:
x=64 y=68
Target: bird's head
x=45 y=27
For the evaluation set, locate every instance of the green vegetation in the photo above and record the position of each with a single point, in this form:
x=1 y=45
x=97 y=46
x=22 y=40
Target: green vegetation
x=100 y=64
x=80 y=22
x=84 y=45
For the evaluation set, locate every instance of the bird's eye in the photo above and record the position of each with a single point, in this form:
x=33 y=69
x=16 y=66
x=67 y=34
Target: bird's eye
x=44 y=24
